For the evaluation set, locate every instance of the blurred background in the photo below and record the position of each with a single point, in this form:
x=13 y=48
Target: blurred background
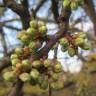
x=82 y=20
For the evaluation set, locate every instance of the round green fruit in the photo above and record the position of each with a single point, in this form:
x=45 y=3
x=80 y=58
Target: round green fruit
x=33 y=24
x=19 y=35
x=64 y=42
x=25 y=77
x=9 y=76
x=47 y=63
x=32 y=45
x=82 y=35
x=36 y=64
x=25 y=38
x=18 y=51
x=25 y=63
x=35 y=74
x=74 y=5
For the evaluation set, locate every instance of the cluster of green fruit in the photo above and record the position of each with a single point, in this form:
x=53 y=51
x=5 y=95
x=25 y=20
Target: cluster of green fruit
x=73 y=42
x=73 y=3
x=42 y=72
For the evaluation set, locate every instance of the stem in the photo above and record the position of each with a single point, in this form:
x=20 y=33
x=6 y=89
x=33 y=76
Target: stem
x=50 y=90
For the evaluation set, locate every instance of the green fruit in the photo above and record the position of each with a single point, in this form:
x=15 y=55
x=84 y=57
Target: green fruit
x=40 y=80
x=9 y=76
x=18 y=51
x=66 y=3
x=33 y=24
x=14 y=56
x=41 y=23
x=35 y=74
x=44 y=85
x=47 y=63
x=74 y=5
x=43 y=30
x=57 y=67
x=79 y=41
x=31 y=31
x=25 y=77
x=86 y=46
x=15 y=61
x=71 y=51
x=54 y=77
x=64 y=42
x=25 y=63
x=82 y=35
x=36 y=64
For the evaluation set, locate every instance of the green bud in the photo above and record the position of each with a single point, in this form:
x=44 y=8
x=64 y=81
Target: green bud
x=33 y=24
x=47 y=63
x=44 y=85
x=25 y=38
x=64 y=42
x=54 y=77
x=86 y=46
x=64 y=49
x=43 y=30
x=26 y=62
x=74 y=5
x=32 y=45
x=58 y=67
x=82 y=35
x=66 y=3
x=41 y=23
x=25 y=77
x=15 y=61
x=35 y=74
x=36 y=64
x=79 y=41
x=18 y=51
x=31 y=31
x=14 y=56
x=71 y=51
x=9 y=76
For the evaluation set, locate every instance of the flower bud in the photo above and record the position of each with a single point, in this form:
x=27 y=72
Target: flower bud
x=71 y=51
x=64 y=42
x=25 y=63
x=54 y=77
x=57 y=67
x=15 y=61
x=33 y=24
x=43 y=30
x=36 y=64
x=31 y=31
x=82 y=35
x=47 y=63
x=66 y=3
x=14 y=56
x=74 y=5
x=79 y=41
x=35 y=74
x=9 y=76
x=18 y=51
x=25 y=77
x=25 y=38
